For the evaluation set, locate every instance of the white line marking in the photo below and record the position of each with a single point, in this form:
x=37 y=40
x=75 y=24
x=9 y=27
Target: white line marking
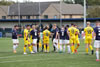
x=29 y=60
x=37 y=55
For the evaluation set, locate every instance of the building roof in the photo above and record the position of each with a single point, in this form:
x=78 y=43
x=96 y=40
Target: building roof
x=69 y=8
x=33 y=8
x=4 y=9
x=29 y=8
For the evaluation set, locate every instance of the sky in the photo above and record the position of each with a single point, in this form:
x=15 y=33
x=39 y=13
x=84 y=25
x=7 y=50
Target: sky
x=35 y=0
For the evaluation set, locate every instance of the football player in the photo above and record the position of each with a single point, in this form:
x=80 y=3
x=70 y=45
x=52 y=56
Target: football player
x=46 y=38
x=88 y=37
x=15 y=38
x=97 y=39
x=27 y=41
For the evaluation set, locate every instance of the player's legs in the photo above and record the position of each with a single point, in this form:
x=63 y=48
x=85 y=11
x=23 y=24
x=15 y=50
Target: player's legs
x=35 y=45
x=54 y=48
x=14 y=47
x=86 y=45
x=72 y=45
x=64 y=43
x=55 y=43
x=61 y=43
x=97 y=54
x=31 y=42
x=78 y=44
x=97 y=46
x=90 y=46
x=47 y=47
x=25 y=49
x=44 y=47
x=30 y=49
x=29 y=46
x=68 y=45
x=38 y=44
x=15 y=44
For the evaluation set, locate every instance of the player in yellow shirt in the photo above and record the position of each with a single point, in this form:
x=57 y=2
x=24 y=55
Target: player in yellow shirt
x=71 y=32
x=77 y=38
x=27 y=39
x=31 y=40
x=88 y=37
x=46 y=37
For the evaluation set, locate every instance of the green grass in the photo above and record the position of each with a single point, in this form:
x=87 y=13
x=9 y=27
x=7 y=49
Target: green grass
x=8 y=59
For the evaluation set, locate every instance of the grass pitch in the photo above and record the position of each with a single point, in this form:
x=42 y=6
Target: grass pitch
x=8 y=59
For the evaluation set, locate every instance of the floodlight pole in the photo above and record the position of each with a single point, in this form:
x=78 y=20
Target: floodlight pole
x=85 y=13
x=39 y=12
x=60 y=13
x=18 y=12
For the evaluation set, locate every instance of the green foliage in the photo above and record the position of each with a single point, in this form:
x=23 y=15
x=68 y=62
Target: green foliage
x=94 y=12
x=4 y=2
x=79 y=2
x=68 y=1
x=93 y=2
x=89 y=2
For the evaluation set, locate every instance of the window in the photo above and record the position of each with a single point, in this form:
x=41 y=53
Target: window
x=27 y=17
x=21 y=17
x=55 y=17
x=45 y=16
x=11 y=17
x=71 y=16
x=3 y=17
x=37 y=17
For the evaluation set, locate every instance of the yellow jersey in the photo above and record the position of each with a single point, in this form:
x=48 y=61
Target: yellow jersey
x=88 y=31
x=27 y=34
x=72 y=31
x=46 y=34
x=30 y=29
x=77 y=35
x=31 y=36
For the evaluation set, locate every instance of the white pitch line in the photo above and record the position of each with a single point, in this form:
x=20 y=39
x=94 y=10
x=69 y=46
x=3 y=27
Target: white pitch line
x=37 y=55
x=30 y=60
x=20 y=56
x=38 y=60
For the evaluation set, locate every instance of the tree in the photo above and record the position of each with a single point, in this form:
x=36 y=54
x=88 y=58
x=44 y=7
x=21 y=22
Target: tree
x=94 y=12
x=69 y=1
x=5 y=2
x=89 y=2
x=93 y=2
x=79 y=2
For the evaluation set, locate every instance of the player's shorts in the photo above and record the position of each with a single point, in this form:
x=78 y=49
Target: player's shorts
x=97 y=44
x=72 y=40
x=15 y=41
x=34 y=41
x=84 y=37
x=67 y=41
x=38 y=39
x=31 y=41
x=27 y=42
x=55 y=40
x=88 y=40
x=62 y=41
x=41 y=35
x=77 y=41
x=46 y=41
